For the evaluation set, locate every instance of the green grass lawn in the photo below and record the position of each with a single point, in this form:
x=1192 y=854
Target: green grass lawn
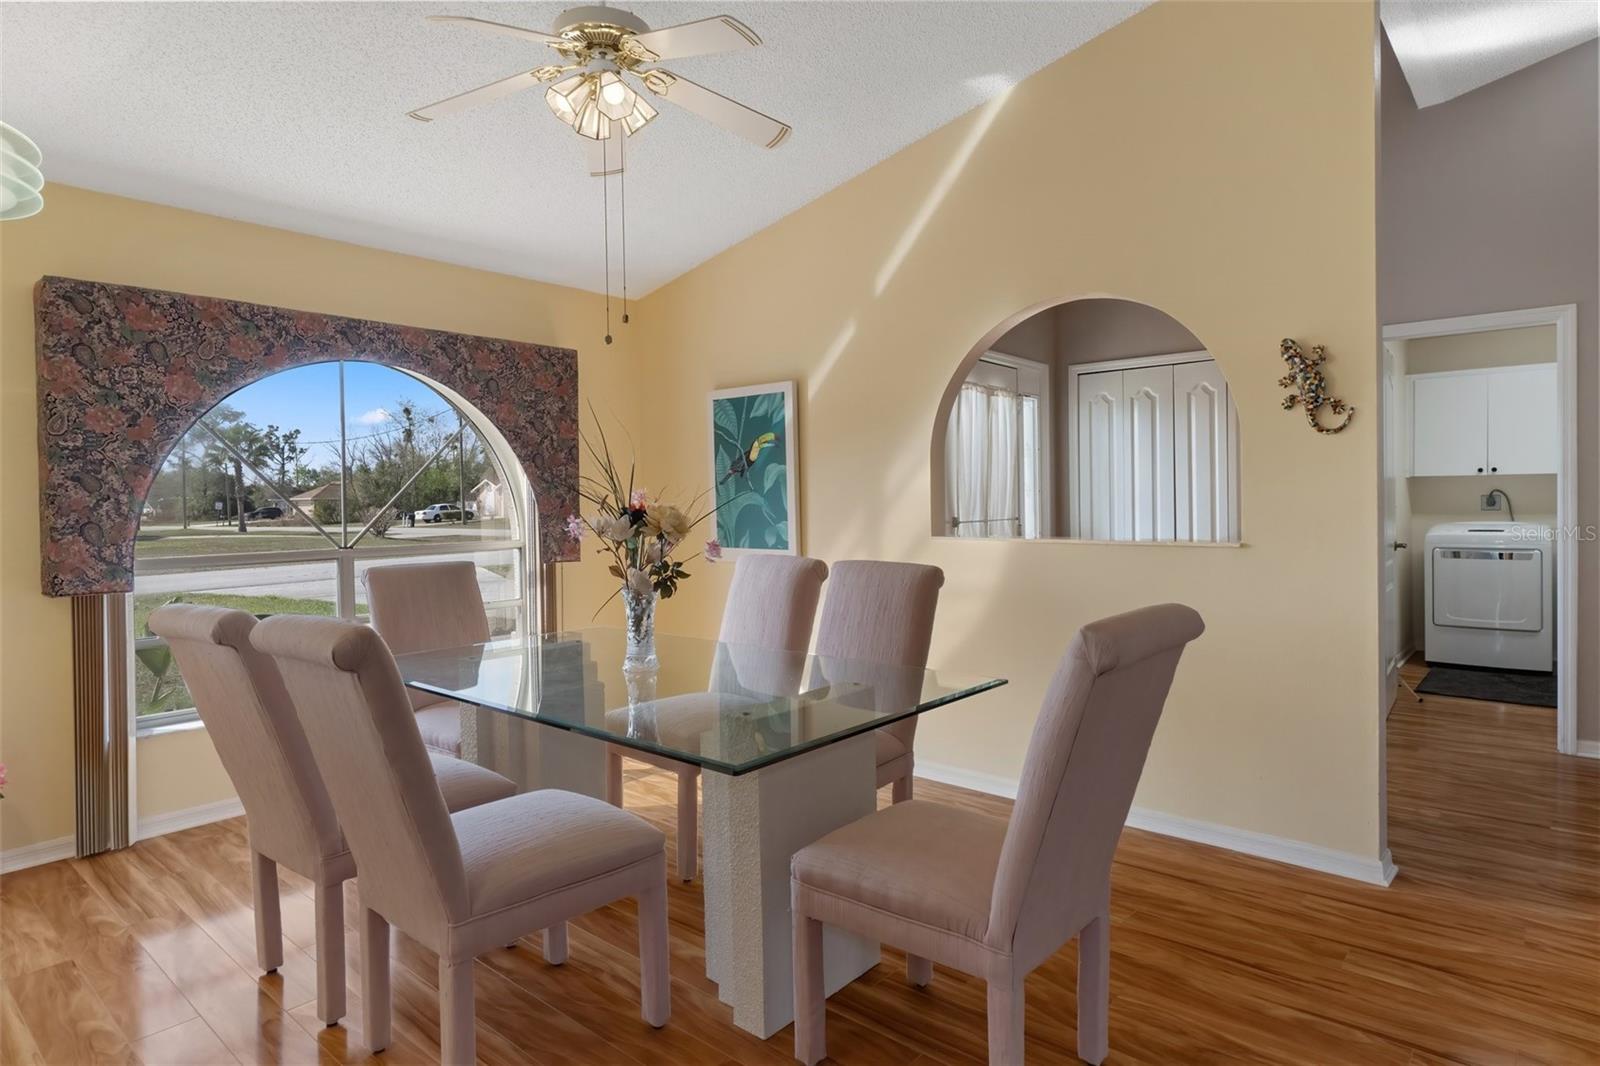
x=222 y=540
x=157 y=684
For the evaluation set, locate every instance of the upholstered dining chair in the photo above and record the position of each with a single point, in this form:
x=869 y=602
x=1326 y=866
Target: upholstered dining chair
x=241 y=699
x=460 y=884
x=771 y=604
x=996 y=899
x=425 y=607
x=878 y=615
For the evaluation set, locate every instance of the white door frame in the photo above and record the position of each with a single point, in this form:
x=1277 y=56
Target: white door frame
x=1564 y=317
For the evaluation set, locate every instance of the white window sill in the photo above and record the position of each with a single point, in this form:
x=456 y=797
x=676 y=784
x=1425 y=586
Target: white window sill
x=162 y=729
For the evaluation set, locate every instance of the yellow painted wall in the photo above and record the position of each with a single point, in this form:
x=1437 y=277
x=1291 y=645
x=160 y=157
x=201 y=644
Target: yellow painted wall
x=106 y=238
x=1213 y=160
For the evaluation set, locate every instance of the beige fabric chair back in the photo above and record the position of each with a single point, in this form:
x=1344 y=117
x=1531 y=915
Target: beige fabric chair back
x=773 y=601
x=1083 y=764
x=246 y=710
x=425 y=607
x=766 y=625
x=353 y=707
x=879 y=613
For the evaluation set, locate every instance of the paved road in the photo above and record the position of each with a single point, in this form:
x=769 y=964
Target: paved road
x=312 y=581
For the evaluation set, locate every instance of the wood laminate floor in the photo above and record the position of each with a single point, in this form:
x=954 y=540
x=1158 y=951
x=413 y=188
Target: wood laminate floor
x=1486 y=949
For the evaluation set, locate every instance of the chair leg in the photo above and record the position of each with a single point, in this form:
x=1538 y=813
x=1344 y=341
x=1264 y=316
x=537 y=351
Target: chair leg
x=555 y=944
x=688 y=822
x=1094 y=989
x=901 y=789
x=655 y=976
x=269 y=920
x=330 y=952
x=919 y=971
x=1005 y=1019
x=810 y=1004
x=375 y=1006
x=458 y=1037
x=613 y=777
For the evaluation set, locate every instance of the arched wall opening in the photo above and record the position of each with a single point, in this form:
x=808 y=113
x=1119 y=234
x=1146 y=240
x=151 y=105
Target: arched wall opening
x=1096 y=418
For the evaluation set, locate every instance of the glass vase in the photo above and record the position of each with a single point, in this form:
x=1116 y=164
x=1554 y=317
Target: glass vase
x=640 y=609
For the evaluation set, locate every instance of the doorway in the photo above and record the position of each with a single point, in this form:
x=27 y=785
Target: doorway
x=1485 y=418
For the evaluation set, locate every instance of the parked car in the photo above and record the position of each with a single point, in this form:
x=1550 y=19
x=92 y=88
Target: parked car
x=443 y=512
x=263 y=513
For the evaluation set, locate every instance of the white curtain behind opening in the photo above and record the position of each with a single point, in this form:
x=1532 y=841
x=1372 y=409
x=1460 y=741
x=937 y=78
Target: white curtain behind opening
x=981 y=449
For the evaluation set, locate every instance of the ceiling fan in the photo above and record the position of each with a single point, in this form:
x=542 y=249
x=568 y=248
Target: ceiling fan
x=601 y=48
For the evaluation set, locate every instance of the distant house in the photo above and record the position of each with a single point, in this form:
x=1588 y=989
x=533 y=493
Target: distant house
x=326 y=493
x=488 y=499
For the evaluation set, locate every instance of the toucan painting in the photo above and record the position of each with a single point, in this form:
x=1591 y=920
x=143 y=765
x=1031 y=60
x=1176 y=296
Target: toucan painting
x=753 y=440
x=746 y=462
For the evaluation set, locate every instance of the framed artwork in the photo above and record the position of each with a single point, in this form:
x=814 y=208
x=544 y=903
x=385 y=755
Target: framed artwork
x=755 y=448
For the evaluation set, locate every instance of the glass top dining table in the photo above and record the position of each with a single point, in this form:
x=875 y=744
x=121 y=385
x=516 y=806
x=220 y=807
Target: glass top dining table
x=726 y=707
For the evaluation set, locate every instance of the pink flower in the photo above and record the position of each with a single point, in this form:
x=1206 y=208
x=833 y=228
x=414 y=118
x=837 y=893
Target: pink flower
x=713 y=550
x=576 y=527
x=639 y=498
x=2 y=778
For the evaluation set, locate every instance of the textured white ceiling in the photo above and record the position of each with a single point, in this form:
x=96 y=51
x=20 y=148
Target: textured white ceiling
x=1448 y=47
x=293 y=115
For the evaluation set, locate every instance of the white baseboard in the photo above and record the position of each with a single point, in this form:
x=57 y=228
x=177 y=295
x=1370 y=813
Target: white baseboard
x=189 y=817
x=1379 y=871
x=37 y=854
x=159 y=825
x=1589 y=749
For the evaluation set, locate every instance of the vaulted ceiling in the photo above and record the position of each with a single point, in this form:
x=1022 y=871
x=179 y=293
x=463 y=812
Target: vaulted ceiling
x=294 y=115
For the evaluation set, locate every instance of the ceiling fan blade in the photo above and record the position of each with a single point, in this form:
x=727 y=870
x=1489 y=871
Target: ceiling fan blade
x=703 y=37
x=500 y=27
x=712 y=106
x=526 y=79
x=605 y=158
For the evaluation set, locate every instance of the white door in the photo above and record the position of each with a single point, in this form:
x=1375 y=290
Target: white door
x=1524 y=421
x=1391 y=547
x=1147 y=513
x=1449 y=424
x=1100 y=420
x=1202 y=464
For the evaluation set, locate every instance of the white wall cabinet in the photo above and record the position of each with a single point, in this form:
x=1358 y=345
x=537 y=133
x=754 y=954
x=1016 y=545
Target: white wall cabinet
x=1154 y=451
x=1497 y=421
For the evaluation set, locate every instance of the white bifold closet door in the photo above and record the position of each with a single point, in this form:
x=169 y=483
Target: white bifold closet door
x=1204 y=432
x=1155 y=454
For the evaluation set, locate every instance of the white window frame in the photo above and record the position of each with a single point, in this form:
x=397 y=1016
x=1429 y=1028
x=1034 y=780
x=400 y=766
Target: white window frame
x=1045 y=436
x=345 y=559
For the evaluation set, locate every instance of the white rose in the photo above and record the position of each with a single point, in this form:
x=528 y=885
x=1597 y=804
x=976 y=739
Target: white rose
x=653 y=551
x=618 y=528
x=639 y=581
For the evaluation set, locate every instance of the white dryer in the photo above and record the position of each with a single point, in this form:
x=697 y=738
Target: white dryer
x=1489 y=591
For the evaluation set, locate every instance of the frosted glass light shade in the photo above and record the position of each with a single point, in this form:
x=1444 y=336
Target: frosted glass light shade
x=615 y=98
x=21 y=182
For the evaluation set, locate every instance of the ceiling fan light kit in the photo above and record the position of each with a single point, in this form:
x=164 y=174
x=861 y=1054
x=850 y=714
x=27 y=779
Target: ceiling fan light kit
x=21 y=182
x=601 y=48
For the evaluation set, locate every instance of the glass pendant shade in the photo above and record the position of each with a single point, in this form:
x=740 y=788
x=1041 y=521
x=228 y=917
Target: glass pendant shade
x=21 y=182
x=616 y=100
x=640 y=116
x=568 y=98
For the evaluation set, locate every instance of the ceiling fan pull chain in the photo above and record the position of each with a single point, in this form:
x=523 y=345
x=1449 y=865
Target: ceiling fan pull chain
x=622 y=178
x=605 y=227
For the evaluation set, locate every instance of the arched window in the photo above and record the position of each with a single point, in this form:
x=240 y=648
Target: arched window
x=279 y=498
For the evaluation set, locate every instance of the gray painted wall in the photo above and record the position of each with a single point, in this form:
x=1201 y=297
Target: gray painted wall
x=1491 y=202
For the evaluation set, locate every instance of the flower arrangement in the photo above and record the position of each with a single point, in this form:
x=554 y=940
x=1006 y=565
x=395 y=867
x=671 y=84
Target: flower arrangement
x=641 y=534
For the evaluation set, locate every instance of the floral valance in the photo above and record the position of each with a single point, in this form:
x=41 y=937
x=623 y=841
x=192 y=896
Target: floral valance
x=124 y=372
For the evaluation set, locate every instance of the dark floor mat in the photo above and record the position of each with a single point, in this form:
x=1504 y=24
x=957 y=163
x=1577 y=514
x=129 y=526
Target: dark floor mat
x=1498 y=686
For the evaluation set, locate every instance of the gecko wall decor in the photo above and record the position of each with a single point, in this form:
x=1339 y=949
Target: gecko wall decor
x=1310 y=388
